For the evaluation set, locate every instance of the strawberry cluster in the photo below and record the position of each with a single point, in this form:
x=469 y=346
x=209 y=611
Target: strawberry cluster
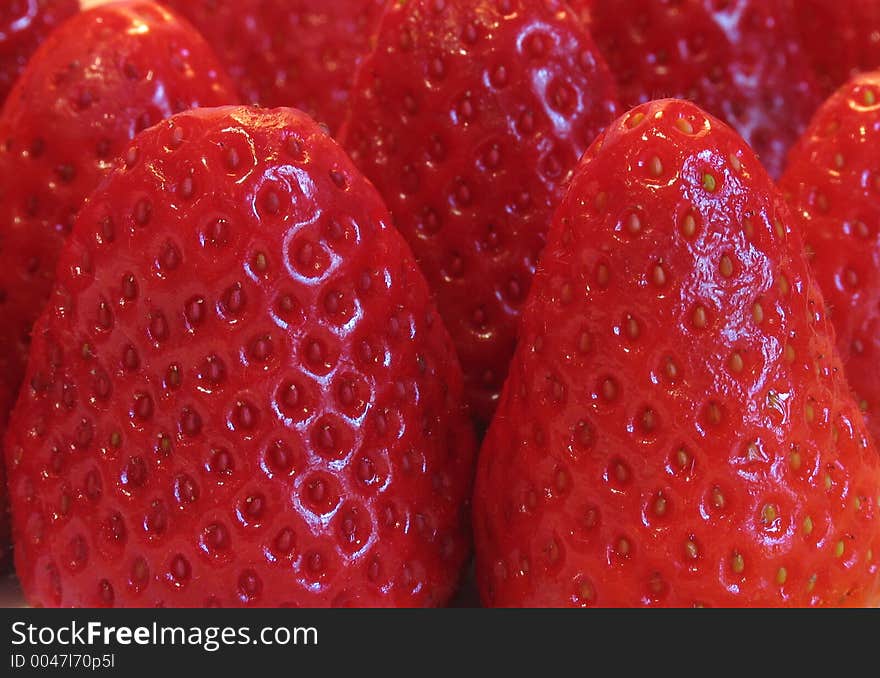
x=307 y=303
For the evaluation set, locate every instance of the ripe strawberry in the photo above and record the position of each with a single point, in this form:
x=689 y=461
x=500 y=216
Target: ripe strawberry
x=24 y=24
x=471 y=154
x=97 y=80
x=833 y=186
x=676 y=429
x=240 y=393
x=739 y=59
x=841 y=37
x=300 y=53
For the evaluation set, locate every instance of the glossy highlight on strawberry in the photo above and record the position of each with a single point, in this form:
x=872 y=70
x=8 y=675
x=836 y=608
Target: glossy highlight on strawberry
x=741 y=60
x=300 y=53
x=241 y=393
x=24 y=24
x=833 y=186
x=676 y=429
x=470 y=145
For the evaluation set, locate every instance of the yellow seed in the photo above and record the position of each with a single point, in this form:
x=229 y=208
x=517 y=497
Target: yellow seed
x=808 y=526
x=635 y=120
x=769 y=513
x=713 y=414
x=709 y=182
x=736 y=363
x=659 y=275
x=700 y=317
x=692 y=551
x=655 y=167
x=586 y=591
x=784 y=287
x=717 y=498
x=735 y=163
x=838 y=549
x=781 y=576
x=632 y=328
x=682 y=458
x=671 y=368
x=660 y=505
x=758 y=313
x=828 y=481
x=809 y=412
x=623 y=547
x=737 y=563
x=689 y=226
x=634 y=224
x=811 y=583
x=685 y=126
x=726 y=266
x=789 y=353
x=609 y=389
x=795 y=460
x=838 y=160
x=779 y=228
x=869 y=97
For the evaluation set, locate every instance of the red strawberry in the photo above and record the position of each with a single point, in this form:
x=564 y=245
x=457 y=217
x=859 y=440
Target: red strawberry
x=833 y=185
x=676 y=429
x=299 y=53
x=240 y=393
x=841 y=37
x=470 y=144
x=739 y=59
x=24 y=24
x=92 y=86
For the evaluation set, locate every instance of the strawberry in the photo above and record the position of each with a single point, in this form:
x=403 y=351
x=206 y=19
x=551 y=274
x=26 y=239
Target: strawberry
x=739 y=59
x=240 y=393
x=24 y=24
x=91 y=86
x=300 y=53
x=841 y=37
x=472 y=151
x=833 y=187
x=676 y=429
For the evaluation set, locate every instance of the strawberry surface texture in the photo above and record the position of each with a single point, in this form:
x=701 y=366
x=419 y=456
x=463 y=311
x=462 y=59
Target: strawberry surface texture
x=300 y=53
x=240 y=393
x=98 y=79
x=841 y=38
x=24 y=24
x=676 y=429
x=833 y=187
x=470 y=142
x=741 y=60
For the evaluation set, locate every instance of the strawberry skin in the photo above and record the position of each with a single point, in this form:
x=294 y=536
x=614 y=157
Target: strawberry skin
x=833 y=187
x=841 y=37
x=676 y=429
x=99 y=79
x=240 y=393
x=24 y=24
x=740 y=60
x=471 y=155
x=300 y=53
